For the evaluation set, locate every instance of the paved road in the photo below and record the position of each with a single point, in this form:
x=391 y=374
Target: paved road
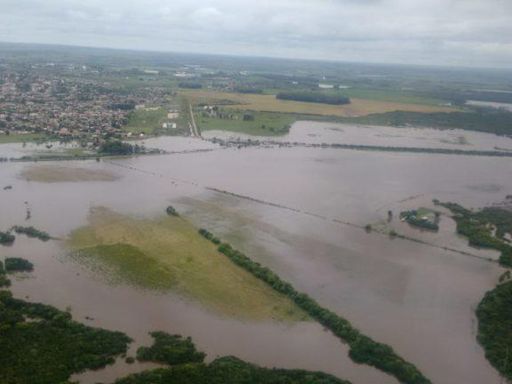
x=193 y=127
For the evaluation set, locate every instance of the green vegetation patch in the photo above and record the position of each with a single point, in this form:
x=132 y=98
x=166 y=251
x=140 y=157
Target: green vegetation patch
x=167 y=253
x=363 y=350
x=119 y=148
x=50 y=347
x=17 y=264
x=18 y=138
x=485 y=228
x=251 y=123
x=228 y=370
x=422 y=218
x=495 y=327
x=170 y=349
x=483 y=120
x=146 y=120
x=124 y=262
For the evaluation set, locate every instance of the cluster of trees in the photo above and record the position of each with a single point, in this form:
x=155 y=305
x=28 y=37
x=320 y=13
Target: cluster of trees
x=478 y=228
x=32 y=232
x=313 y=97
x=208 y=235
x=52 y=347
x=412 y=218
x=117 y=147
x=228 y=370
x=17 y=264
x=170 y=349
x=7 y=238
x=495 y=327
x=171 y=211
x=362 y=348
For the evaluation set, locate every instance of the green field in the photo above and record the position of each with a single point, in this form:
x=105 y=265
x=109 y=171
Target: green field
x=264 y=124
x=167 y=253
x=16 y=138
x=146 y=121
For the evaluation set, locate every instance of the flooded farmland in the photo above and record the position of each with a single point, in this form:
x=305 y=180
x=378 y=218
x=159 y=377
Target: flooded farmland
x=301 y=212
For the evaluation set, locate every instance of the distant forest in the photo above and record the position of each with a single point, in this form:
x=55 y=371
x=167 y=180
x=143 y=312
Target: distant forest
x=313 y=97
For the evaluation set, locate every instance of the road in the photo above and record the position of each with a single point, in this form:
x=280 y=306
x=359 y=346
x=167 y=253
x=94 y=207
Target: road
x=193 y=127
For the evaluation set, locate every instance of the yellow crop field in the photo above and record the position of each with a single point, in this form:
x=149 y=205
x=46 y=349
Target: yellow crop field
x=269 y=103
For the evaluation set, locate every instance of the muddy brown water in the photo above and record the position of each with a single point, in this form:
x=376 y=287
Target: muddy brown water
x=418 y=298
x=357 y=134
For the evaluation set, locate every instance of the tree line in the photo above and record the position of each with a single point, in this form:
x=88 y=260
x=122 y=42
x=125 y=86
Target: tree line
x=362 y=348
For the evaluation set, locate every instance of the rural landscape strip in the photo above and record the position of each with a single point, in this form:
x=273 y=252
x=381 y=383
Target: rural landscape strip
x=363 y=350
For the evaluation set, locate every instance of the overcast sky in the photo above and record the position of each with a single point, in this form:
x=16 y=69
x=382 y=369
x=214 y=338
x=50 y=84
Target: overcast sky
x=445 y=32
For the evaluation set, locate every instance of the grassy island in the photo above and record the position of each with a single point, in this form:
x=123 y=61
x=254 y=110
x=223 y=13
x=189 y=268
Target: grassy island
x=167 y=253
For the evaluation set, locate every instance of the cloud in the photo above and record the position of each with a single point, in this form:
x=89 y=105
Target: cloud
x=477 y=32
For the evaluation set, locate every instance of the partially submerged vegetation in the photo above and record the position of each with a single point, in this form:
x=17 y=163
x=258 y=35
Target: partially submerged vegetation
x=228 y=370
x=43 y=345
x=477 y=119
x=7 y=238
x=168 y=254
x=18 y=264
x=31 y=232
x=170 y=349
x=485 y=228
x=120 y=148
x=363 y=349
x=422 y=218
x=187 y=366
x=59 y=174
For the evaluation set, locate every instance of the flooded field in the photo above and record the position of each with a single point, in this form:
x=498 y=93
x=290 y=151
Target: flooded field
x=332 y=133
x=301 y=212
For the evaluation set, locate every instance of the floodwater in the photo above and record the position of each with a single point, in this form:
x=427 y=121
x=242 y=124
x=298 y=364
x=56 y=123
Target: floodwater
x=491 y=104
x=419 y=298
x=317 y=133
